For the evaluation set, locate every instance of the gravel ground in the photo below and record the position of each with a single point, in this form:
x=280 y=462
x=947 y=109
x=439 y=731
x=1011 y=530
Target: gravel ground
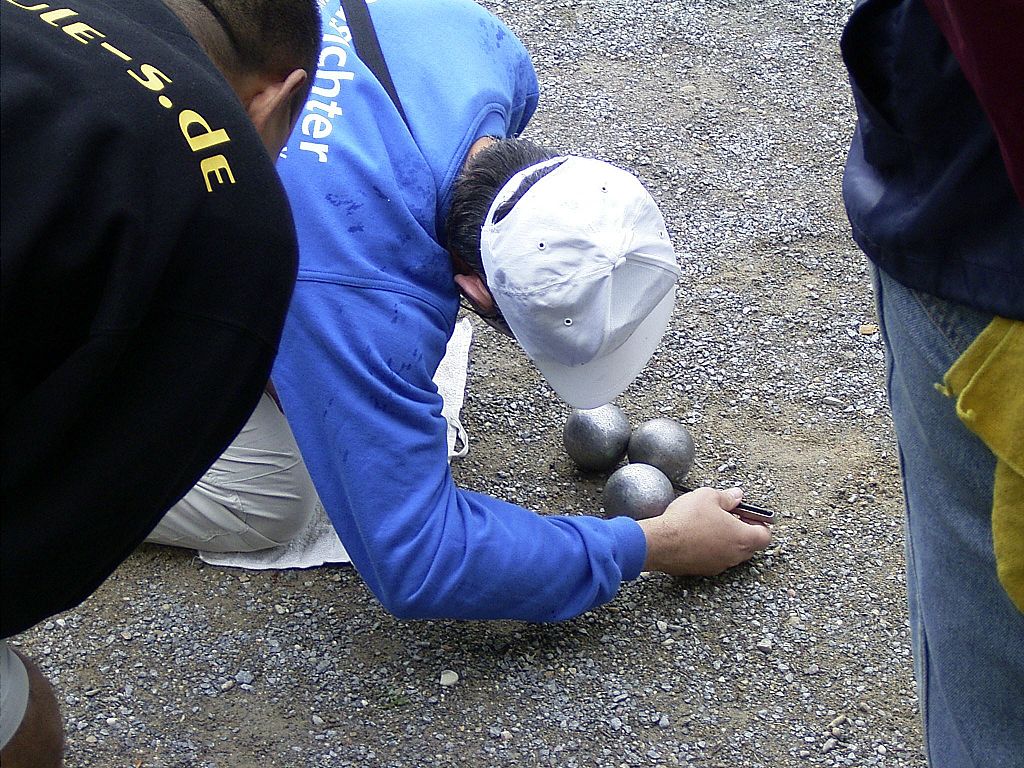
x=737 y=118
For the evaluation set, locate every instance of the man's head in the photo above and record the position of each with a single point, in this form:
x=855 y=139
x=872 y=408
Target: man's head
x=573 y=254
x=266 y=49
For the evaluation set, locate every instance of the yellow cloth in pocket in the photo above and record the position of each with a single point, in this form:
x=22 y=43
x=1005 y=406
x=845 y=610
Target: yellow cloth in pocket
x=988 y=383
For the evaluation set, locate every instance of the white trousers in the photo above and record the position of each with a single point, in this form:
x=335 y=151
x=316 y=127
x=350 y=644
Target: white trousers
x=258 y=494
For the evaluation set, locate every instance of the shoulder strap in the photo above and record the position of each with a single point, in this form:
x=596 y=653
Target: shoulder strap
x=364 y=37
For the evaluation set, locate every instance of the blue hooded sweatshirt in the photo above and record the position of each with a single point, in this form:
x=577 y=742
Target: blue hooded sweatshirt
x=374 y=307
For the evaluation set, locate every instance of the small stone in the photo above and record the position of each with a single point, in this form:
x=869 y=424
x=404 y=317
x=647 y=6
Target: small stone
x=244 y=678
x=663 y=721
x=318 y=721
x=829 y=745
x=838 y=721
x=227 y=685
x=867 y=329
x=449 y=678
x=764 y=645
x=662 y=626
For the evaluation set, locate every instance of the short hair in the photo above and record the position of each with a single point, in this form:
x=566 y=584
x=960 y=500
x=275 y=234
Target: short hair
x=476 y=187
x=270 y=37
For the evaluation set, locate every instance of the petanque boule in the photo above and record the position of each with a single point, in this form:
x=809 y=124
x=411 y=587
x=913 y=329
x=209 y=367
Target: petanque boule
x=665 y=444
x=596 y=438
x=638 y=491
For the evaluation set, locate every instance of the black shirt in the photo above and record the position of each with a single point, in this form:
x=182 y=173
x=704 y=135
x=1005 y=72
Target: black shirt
x=148 y=257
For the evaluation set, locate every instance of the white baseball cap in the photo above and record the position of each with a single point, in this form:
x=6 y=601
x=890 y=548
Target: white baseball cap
x=584 y=274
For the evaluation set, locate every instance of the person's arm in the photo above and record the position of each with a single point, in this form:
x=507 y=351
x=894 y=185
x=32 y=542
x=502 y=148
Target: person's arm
x=354 y=377
x=39 y=738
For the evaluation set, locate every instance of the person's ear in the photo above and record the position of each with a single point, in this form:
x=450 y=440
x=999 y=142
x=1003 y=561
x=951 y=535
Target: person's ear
x=270 y=110
x=475 y=290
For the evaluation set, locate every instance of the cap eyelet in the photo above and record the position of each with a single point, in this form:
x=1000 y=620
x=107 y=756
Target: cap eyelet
x=541 y=246
x=567 y=321
x=604 y=188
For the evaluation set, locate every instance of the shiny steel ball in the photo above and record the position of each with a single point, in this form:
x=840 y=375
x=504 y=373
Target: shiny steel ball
x=665 y=444
x=638 y=491
x=596 y=438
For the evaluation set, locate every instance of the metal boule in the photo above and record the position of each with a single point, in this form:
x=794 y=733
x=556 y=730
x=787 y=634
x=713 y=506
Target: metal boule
x=596 y=438
x=638 y=491
x=665 y=444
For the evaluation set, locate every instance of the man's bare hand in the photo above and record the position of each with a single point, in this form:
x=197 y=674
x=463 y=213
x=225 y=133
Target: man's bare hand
x=697 y=535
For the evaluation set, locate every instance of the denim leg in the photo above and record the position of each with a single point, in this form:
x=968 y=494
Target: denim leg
x=968 y=637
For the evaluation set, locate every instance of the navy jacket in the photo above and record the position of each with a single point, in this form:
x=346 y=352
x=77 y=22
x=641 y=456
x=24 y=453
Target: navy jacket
x=926 y=189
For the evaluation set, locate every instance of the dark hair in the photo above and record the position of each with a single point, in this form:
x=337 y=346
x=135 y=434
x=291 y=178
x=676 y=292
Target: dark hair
x=478 y=184
x=267 y=36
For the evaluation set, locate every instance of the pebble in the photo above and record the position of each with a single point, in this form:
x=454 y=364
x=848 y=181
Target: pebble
x=449 y=677
x=837 y=721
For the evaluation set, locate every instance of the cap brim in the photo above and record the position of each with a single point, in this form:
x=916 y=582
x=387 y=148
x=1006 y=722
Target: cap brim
x=600 y=381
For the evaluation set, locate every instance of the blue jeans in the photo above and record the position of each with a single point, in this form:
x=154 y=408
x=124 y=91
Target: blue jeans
x=968 y=637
